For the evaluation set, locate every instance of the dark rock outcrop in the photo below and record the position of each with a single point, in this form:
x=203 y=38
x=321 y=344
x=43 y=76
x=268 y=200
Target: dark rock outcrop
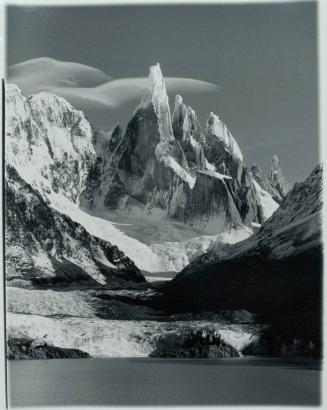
x=277 y=342
x=24 y=348
x=108 y=147
x=203 y=343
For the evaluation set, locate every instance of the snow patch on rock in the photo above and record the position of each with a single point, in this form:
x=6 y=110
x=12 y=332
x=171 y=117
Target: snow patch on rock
x=268 y=204
x=217 y=128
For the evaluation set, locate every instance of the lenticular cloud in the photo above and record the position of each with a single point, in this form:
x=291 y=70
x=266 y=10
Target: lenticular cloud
x=83 y=85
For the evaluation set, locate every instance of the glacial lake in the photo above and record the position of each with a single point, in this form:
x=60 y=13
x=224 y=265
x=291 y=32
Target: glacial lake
x=149 y=381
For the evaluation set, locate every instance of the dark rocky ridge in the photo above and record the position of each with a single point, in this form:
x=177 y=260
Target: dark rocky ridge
x=67 y=251
x=203 y=343
x=276 y=274
x=107 y=147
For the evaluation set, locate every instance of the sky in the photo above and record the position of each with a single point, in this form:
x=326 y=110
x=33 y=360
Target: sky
x=263 y=57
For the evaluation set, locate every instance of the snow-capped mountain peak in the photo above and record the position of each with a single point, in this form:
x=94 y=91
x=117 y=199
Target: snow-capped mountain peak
x=48 y=142
x=164 y=163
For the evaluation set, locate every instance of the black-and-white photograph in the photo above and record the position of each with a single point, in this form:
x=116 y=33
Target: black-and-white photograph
x=162 y=203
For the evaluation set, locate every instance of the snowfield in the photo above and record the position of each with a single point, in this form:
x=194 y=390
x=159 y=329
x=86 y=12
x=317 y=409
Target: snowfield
x=157 y=257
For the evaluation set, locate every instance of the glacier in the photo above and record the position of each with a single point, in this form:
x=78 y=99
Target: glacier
x=64 y=319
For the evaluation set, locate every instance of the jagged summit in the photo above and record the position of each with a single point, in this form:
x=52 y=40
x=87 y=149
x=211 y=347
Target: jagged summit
x=156 y=88
x=171 y=165
x=275 y=161
x=157 y=97
x=274 y=182
x=277 y=178
x=178 y=102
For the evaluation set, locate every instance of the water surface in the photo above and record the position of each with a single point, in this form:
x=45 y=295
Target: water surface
x=146 y=381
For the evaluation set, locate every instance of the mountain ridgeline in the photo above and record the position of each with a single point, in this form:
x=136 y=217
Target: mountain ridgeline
x=169 y=162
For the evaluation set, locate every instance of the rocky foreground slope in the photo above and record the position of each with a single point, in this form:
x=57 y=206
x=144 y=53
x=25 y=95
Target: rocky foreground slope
x=44 y=246
x=276 y=273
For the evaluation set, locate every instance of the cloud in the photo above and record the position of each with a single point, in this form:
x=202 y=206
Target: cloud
x=40 y=73
x=77 y=82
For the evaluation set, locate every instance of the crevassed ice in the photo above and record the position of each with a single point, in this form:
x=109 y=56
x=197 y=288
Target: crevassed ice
x=116 y=338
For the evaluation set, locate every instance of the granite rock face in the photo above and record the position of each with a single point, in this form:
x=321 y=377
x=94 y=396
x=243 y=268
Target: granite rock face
x=170 y=163
x=188 y=131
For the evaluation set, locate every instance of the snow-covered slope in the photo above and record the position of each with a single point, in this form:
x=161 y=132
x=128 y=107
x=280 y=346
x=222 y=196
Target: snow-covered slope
x=216 y=129
x=48 y=142
x=269 y=206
